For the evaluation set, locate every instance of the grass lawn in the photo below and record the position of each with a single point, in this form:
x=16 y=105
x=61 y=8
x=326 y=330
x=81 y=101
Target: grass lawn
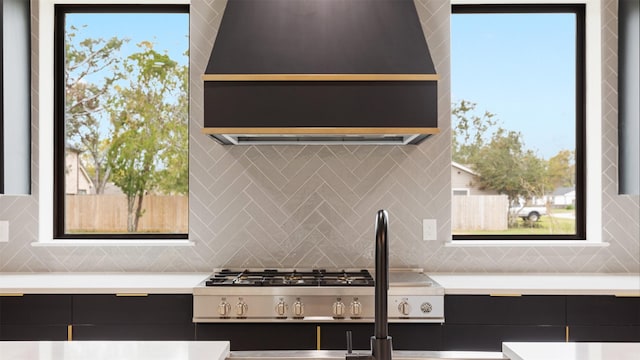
x=545 y=226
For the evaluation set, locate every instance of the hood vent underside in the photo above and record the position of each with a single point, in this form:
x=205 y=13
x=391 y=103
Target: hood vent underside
x=320 y=72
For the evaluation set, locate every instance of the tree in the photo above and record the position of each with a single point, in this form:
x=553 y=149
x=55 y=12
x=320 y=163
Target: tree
x=470 y=131
x=497 y=155
x=90 y=71
x=562 y=170
x=174 y=177
x=149 y=129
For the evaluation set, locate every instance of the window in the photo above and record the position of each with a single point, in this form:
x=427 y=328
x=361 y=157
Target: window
x=460 y=192
x=121 y=121
x=518 y=121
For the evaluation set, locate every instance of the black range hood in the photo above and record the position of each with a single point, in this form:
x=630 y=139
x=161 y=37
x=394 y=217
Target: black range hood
x=320 y=72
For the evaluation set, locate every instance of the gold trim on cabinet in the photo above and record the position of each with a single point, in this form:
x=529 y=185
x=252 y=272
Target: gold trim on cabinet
x=566 y=333
x=317 y=337
x=11 y=294
x=69 y=332
x=506 y=295
x=319 y=130
x=127 y=294
x=320 y=77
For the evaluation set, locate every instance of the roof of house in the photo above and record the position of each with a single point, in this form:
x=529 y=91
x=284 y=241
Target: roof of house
x=463 y=168
x=563 y=190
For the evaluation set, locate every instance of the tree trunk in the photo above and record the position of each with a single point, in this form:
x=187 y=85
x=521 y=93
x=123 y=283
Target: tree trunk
x=131 y=223
x=103 y=182
x=138 y=210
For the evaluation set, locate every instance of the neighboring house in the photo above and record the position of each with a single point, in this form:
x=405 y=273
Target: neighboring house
x=76 y=178
x=111 y=189
x=464 y=181
x=563 y=196
x=559 y=198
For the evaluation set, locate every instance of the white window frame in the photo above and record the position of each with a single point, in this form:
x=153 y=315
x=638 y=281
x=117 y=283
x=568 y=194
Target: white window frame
x=593 y=141
x=466 y=190
x=45 y=44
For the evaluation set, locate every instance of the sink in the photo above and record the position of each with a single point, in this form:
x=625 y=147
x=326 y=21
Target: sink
x=340 y=355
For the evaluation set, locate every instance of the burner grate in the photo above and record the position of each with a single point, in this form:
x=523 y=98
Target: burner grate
x=274 y=277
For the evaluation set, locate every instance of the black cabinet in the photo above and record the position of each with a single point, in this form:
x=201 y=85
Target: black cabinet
x=263 y=336
x=472 y=322
x=416 y=336
x=152 y=317
x=603 y=318
x=324 y=336
x=491 y=337
x=334 y=336
x=35 y=317
x=405 y=336
x=482 y=322
x=505 y=310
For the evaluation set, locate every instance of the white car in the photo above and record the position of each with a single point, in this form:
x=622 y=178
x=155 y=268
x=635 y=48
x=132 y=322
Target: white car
x=531 y=213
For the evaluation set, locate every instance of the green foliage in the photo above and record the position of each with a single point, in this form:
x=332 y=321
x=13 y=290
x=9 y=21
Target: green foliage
x=85 y=60
x=148 y=150
x=497 y=155
x=562 y=169
x=506 y=167
x=469 y=130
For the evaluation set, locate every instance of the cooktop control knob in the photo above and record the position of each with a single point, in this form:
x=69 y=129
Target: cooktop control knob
x=298 y=308
x=426 y=307
x=338 y=308
x=224 y=308
x=281 y=308
x=241 y=308
x=404 y=308
x=356 y=308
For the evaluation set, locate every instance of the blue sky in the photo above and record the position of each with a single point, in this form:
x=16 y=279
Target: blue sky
x=168 y=32
x=521 y=68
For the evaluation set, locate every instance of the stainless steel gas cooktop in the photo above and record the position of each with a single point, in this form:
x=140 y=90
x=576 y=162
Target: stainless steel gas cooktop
x=274 y=277
x=314 y=295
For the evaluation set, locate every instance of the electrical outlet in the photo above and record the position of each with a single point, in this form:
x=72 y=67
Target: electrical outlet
x=429 y=229
x=4 y=231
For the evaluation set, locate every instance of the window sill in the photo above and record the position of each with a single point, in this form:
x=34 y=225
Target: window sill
x=129 y=242
x=524 y=243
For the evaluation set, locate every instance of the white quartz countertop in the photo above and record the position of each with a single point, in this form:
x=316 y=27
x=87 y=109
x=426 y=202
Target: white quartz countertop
x=183 y=283
x=540 y=284
x=111 y=350
x=99 y=283
x=571 y=351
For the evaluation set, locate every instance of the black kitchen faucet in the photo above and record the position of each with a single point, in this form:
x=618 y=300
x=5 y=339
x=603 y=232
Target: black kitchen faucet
x=381 y=341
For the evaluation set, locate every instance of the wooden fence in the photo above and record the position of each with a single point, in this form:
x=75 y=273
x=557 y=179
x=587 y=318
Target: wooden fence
x=479 y=212
x=108 y=214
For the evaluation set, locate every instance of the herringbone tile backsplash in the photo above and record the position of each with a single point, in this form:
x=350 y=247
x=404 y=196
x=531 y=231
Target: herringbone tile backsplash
x=314 y=206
